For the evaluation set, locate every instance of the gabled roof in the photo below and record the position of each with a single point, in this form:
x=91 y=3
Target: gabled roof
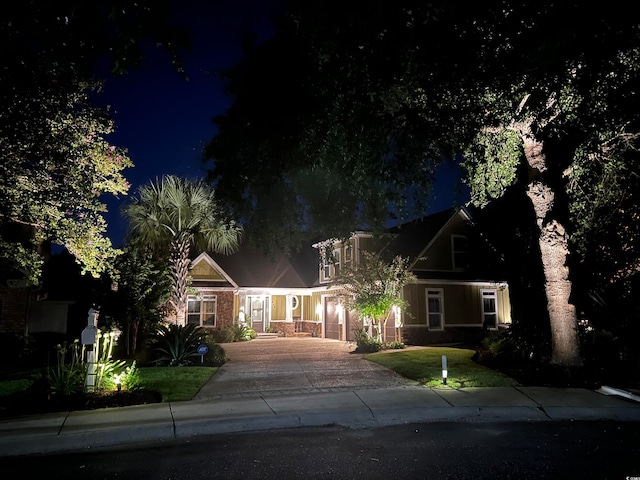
x=413 y=239
x=252 y=268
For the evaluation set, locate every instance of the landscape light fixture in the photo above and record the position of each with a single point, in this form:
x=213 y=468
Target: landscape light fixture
x=445 y=372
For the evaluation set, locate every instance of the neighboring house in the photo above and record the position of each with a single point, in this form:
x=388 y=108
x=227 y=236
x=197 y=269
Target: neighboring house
x=458 y=293
x=26 y=310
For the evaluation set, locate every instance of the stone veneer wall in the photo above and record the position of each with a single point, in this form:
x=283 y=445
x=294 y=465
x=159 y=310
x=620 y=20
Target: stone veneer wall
x=286 y=328
x=224 y=309
x=312 y=327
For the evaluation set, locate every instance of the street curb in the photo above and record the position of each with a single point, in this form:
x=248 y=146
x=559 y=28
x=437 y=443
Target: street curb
x=167 y=430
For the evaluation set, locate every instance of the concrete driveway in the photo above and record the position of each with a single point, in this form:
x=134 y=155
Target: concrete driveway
x=295 y=365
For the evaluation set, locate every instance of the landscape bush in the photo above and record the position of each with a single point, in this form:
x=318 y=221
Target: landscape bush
x=238 y=333
x=177 y=345
x=365 y=343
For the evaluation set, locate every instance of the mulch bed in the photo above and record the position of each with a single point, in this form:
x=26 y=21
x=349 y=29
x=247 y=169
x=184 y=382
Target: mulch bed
x=30 y=402
x=533 y=374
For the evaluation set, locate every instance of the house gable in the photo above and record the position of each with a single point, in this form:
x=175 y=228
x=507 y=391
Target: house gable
x=440 y=254
x=205 y=269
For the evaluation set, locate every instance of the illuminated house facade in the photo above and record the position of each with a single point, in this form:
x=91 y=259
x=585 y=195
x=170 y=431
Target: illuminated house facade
x=458 y=292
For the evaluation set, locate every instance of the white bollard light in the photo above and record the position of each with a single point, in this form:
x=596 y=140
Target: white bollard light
x=445 y=371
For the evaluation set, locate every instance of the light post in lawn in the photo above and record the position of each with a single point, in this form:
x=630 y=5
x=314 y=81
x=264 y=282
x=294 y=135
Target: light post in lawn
x=445 y=371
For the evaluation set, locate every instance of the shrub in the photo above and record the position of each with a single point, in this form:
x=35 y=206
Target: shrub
x=216 y=356
x=177 y=344
x=394 y=346
x=238 y=333
x=365 y=343
x=66 y=378
x=130 y=378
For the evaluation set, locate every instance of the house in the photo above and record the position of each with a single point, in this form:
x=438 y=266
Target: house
x=28 y=313
x=458 y=293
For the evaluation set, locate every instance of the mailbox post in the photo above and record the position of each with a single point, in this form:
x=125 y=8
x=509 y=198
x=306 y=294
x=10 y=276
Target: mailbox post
x=89 y=340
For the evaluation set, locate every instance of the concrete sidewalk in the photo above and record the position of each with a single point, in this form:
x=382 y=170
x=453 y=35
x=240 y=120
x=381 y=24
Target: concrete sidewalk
x=350 y=407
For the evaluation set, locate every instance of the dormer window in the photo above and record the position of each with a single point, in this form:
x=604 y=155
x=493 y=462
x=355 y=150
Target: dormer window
x=460 y=252
x=348 y=255
x=336 y=261
x=325 y=266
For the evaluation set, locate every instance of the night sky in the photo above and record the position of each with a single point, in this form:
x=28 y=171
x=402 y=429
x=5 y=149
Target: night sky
x=164 y=121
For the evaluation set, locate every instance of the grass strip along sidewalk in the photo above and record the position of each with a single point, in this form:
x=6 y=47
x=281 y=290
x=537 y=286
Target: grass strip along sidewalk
x=425 y=366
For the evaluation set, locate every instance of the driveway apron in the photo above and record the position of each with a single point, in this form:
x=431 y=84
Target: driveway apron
x=295 y=365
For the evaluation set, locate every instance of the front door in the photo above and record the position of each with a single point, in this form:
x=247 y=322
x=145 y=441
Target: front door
x=257 y=312
x=331 y=318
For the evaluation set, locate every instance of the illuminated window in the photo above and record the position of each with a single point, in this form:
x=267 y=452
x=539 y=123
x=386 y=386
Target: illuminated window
x=201 y=311
x=489 y=308
x=435 y=308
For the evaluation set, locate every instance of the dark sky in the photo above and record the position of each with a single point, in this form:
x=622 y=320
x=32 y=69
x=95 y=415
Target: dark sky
x=164 y=121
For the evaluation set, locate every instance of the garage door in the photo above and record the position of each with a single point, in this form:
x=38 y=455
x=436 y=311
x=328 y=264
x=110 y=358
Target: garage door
x=331 y=326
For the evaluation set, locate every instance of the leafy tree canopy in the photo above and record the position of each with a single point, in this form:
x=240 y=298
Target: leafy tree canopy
x=374 y=287
x=56 y=165
x=56 y=159
x=540 y=96
x=173 y=215
x=305 y=144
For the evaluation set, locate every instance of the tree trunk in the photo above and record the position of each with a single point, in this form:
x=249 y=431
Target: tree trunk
x=134 y=336
x=554 y=249
x=179 y=273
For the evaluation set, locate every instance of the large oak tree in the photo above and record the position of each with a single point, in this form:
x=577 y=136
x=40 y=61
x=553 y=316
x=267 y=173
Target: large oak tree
x=347 y=110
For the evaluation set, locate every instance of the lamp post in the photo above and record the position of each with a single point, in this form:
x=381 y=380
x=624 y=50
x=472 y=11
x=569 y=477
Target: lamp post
x=445 y=372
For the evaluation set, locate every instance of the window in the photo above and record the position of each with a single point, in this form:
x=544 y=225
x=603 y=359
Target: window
x=330 y=264
x=460 y=252
x=348 y=255
x=294 y=302
x=336 y=262
x=325 y=267
x=435 y=309
x=489 y=308
x=201 y=311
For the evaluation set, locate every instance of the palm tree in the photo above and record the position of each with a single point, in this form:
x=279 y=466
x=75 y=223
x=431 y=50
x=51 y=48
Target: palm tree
x=173 y=215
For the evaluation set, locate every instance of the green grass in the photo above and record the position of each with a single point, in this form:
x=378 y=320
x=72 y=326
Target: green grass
x=175 y=384
x=7 y=387
x=425 y=366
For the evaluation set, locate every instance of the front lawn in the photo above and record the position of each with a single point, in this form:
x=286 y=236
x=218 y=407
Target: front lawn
x=175 y=384
x=26 y=394
x=425 y=366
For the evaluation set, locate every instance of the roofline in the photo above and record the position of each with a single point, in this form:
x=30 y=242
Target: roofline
x=459 y=211
x=331 y=241
x=205 y=256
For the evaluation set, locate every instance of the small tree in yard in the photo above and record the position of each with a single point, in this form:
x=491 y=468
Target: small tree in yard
x=374 y=288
